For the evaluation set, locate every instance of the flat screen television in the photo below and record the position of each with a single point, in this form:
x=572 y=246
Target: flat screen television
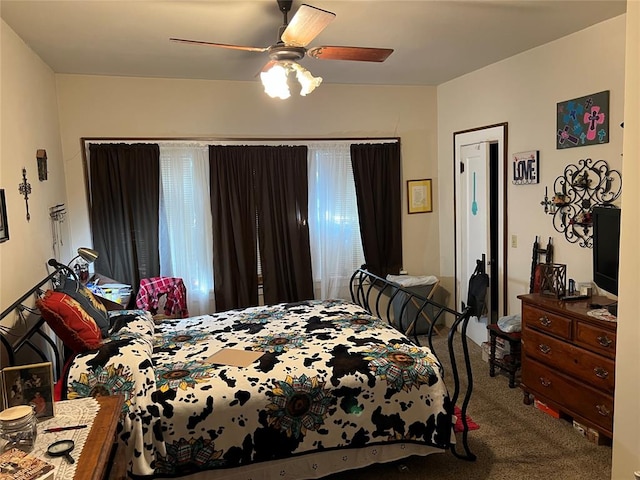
x=606 y=247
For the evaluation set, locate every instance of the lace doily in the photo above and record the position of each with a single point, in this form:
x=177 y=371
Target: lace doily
x=602 y=314
x=67 y=413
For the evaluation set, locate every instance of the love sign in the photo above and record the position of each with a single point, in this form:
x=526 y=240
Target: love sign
x=525 y=168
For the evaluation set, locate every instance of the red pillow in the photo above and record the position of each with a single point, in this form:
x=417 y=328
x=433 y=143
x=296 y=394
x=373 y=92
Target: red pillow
x=69 y=321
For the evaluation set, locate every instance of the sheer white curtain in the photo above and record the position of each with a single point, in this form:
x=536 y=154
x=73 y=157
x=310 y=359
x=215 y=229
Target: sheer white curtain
x=334 y=230
x=186 y=248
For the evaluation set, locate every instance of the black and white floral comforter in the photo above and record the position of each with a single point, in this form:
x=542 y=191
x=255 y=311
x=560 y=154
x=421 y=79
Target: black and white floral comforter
x=330 y=377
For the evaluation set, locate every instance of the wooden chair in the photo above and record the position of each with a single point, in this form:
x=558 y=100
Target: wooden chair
x=166 y=293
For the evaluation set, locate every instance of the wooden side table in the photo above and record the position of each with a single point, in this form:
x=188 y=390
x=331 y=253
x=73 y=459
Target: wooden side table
x=94 y=461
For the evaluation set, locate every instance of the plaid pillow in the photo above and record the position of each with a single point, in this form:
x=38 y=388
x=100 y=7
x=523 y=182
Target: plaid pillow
x=69 y=321
x=88 y=301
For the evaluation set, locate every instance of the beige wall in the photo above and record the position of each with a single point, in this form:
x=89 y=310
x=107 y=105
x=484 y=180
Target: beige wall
x=626 y=448
x=29 y=122
x=523 y=91
x=96 y=106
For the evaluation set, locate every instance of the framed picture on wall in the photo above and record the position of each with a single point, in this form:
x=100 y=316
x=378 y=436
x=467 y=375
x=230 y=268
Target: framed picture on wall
x=526 y=167
x=4 y=227
x=419 y=196
x=30 y=385
x=583 y=121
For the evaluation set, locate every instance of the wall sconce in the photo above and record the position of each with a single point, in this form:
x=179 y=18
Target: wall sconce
x=581 y=187
x=275 y=79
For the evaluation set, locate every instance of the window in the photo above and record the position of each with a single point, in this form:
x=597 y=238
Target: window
x=186 y=230
x=334 y=229
x=186 y=249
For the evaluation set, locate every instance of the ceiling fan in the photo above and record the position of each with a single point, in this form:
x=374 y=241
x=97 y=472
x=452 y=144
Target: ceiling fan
x=294 y=36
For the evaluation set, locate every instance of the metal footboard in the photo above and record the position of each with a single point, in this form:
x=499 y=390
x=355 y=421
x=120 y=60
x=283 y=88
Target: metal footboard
x=388 y=300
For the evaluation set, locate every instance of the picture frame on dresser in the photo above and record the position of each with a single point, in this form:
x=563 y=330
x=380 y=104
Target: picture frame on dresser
x=30 y=385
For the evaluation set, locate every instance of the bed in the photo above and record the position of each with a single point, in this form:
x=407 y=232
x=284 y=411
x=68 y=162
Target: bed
x=298 y=390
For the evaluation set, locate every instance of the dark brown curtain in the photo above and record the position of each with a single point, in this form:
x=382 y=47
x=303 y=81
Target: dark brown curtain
x=125 y=200
x=376 y=172
x=235 y=264
x=268 y=186
x=283 y=209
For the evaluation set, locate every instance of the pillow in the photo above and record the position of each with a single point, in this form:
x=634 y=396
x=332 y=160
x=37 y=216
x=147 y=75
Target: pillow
x=88 y=301
x=66 y=317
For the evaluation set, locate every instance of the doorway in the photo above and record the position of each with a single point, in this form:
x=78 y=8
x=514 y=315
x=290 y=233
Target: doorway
x=480 y=200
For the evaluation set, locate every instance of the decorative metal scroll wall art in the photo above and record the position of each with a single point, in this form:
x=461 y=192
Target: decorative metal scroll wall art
x=582 y=187
x=25 y=189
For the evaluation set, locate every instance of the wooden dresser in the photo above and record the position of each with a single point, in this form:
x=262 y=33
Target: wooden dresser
x=568 y=359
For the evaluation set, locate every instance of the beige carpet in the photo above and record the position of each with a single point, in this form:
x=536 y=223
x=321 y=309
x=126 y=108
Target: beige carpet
x=514 y=442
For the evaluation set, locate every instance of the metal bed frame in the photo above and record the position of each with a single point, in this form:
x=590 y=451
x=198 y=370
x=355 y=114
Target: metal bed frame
x=28 y=335
x=367 y=290
x=371 y=292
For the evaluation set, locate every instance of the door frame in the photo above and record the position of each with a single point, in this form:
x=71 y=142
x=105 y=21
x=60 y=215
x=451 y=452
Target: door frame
x=496 y=133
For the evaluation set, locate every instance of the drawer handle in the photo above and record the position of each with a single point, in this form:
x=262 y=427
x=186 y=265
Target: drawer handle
x=545 y=382
x=600 y=372
x=544 y=321
x=603 y=410
x=604 y=341
x=544 y=348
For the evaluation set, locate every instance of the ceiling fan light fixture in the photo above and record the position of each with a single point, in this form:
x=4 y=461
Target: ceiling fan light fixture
x=294 y=36
x=274 y=81
x=308 y=82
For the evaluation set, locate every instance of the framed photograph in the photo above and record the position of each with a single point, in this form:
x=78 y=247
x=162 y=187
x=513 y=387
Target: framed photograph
x=29 y=385
x=419 y=196
x=4 y=226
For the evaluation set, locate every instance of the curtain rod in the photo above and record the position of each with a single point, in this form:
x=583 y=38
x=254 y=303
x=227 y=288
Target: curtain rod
x=232 y=139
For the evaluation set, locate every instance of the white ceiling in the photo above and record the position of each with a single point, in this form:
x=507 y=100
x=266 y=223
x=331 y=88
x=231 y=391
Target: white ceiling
x=434 y=41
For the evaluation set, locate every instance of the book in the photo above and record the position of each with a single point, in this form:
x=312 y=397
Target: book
x=18 y=465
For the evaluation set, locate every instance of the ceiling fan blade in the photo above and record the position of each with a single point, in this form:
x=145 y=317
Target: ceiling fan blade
x=358 y=54
x=221 y=45
x=306 y=25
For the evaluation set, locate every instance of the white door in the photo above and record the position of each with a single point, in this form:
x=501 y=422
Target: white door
x=480 y=154
x=473 y=212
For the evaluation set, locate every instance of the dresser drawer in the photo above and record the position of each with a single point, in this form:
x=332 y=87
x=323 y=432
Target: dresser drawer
x=597 y=339
x=576 y=398
x=594 y=369
x=546 y=322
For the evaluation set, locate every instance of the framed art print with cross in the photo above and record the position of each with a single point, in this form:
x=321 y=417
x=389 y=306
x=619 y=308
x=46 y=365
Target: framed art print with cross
x=583 y=121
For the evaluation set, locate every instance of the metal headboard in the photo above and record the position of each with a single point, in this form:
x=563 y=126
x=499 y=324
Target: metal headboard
x=21 y=338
